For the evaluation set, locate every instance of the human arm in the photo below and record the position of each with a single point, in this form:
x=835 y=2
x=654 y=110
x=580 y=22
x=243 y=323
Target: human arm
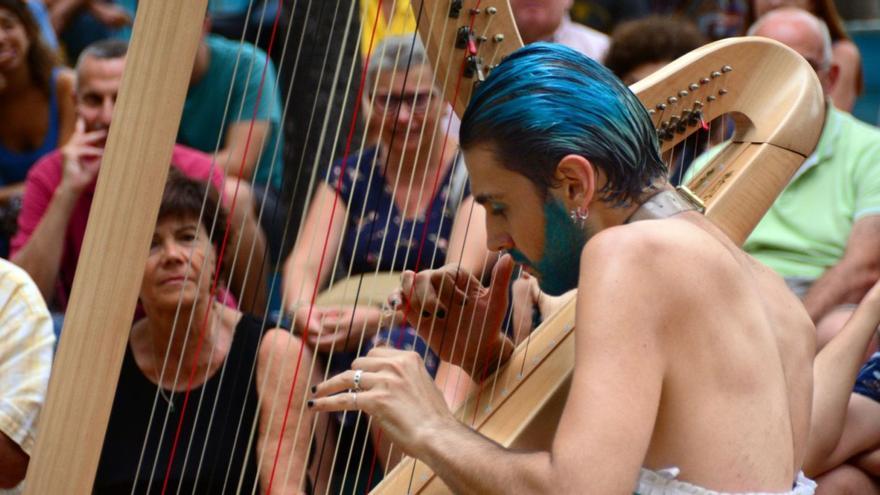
x=846 y=89
x=41 y=253
x=238 y=139
x=284 y=446
x=245 y=255
x=114 y=16
x=834 y=373
x=853 y=275
x=305 y=269
x=611 y=408
x=60 y=11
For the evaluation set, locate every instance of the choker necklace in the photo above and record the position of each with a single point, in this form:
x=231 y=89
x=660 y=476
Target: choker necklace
x=666 y=204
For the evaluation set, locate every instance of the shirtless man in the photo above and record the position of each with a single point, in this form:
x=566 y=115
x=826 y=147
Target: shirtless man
x=680 y=361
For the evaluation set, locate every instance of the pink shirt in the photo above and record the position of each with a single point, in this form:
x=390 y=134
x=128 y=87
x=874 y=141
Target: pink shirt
x=40 y=184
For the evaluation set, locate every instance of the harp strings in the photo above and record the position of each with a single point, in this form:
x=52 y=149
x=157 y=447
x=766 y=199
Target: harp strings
x=261 y=209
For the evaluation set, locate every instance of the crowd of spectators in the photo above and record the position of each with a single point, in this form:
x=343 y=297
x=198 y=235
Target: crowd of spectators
x=258 y=125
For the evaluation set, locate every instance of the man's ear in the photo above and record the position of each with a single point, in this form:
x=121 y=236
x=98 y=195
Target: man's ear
x=832 y=77
x=576 y=181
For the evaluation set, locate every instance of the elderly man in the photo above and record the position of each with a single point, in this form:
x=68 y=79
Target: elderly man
x=60 y=187
x=823 y=233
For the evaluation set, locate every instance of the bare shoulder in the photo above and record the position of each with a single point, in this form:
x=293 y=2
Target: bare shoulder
x=657 y=252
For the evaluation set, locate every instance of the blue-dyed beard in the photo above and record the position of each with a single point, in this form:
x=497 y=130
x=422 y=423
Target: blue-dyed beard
x=559 y=266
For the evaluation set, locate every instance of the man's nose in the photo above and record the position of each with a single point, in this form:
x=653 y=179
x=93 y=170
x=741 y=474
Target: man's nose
x=107 y=111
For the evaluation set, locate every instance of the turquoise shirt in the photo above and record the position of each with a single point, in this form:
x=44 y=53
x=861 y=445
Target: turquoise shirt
x=205 y=115
x=806 y=230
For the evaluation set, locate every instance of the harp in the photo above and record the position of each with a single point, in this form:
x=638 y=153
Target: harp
x=773 y=135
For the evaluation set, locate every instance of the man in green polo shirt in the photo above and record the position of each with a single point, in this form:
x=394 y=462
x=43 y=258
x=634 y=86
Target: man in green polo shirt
x=823 y=233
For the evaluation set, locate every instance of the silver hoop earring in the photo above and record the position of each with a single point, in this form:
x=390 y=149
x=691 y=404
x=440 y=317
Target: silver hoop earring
x=579 y=216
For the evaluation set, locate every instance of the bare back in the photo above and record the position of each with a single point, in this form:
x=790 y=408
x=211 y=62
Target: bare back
x=734 y=411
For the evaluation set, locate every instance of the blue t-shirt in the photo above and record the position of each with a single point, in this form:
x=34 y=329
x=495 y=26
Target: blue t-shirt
x=205 y=114
x=403 y=237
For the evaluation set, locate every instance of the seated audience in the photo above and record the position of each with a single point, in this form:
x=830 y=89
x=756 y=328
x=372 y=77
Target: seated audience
x=60 y=187
x=844 y=53
x=36 y=106
x=549 y=21
x=823 y=232
x=390 y=192
x=80 y=23
x=605 y=15
x=25 y=359
x=227 y=91
x=643 y=46
x=176 y=290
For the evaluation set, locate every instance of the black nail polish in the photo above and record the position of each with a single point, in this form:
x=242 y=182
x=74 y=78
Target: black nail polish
x=441 y=314
x=314 y=388
x=310 y=403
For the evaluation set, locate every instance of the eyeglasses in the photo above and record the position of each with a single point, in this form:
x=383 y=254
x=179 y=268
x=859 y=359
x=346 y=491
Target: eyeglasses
x=415 y=102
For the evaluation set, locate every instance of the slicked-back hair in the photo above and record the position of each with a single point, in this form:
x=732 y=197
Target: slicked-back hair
x=547 y=101
x=41 y=60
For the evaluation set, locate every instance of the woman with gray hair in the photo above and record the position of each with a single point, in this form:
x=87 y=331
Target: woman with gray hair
x=388 y=207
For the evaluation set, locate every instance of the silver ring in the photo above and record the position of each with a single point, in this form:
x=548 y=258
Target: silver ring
x=357 y=379
x=354 y=398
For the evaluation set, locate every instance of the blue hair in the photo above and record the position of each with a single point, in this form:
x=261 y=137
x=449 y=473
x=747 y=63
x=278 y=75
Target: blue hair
x=546 y=101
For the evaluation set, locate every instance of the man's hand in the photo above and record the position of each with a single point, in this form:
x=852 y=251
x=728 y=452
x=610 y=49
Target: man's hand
x=81 y=158
x=396 y=391
x=458 y=317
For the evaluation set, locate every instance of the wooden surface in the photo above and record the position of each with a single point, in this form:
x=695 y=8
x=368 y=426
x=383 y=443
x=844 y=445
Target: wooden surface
x=121 y=223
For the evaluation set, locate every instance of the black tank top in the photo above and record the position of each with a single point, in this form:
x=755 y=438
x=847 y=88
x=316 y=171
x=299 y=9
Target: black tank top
x=219 y=458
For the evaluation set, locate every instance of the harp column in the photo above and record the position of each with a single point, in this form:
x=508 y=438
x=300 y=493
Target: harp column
x=108 y=277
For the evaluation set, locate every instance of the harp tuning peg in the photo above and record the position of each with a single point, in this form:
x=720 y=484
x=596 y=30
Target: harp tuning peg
x=672 y=100
x=694 y=86
x=498 y=38
x=726 y=69
x=491 y=10
x=683 y=93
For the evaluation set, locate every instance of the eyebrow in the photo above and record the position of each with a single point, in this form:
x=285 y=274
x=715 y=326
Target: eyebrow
x=482 y=199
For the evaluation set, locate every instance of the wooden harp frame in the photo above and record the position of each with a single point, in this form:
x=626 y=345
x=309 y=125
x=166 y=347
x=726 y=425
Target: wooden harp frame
x=777 y=130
